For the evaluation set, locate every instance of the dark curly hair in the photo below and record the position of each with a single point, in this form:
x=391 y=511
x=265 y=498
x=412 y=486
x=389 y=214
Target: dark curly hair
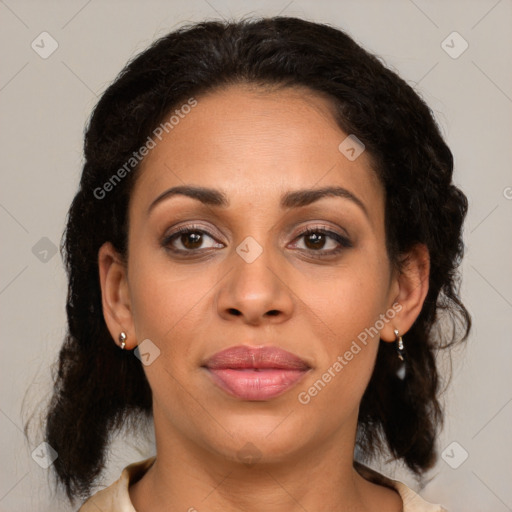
x=99 y=388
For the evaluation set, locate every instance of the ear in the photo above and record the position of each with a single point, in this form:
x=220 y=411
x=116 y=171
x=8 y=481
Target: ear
x=409 y=290
x=115 y=295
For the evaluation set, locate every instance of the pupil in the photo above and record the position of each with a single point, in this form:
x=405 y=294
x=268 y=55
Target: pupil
x=316 y=238
x=196 y=237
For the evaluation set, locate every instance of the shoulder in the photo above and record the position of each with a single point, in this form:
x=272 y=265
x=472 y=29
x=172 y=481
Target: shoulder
x=412 y=501
x=116 y=498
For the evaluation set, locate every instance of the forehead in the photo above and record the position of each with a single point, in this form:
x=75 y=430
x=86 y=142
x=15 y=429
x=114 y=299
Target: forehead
x=255 y=144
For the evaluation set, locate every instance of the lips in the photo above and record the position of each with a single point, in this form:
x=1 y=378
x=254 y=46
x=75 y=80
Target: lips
x=253 y=373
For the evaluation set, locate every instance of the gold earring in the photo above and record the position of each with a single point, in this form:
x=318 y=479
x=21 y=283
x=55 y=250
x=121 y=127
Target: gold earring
x=122 y=340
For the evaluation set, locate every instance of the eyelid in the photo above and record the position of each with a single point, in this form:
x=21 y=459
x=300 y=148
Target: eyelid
x=192 y=225
x=343 y=242
x=326 y=227
x=213 y=232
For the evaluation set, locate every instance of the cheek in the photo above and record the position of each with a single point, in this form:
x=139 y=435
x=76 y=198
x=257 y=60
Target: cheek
x=166 y=302
x=342 y=311
x=168 y=308
x=346 y=300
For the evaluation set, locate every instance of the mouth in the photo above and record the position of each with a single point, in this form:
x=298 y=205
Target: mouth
x=250 y=373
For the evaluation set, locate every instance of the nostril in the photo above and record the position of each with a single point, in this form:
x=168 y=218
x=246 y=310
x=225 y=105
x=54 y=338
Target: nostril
x=234 y=311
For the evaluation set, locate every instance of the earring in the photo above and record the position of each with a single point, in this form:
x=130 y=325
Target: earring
x=401 y=355
x=122 y=340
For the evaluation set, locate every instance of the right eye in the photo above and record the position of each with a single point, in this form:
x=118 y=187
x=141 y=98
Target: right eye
x=189 y=237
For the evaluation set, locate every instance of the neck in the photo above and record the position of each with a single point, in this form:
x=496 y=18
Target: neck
x=188 y=477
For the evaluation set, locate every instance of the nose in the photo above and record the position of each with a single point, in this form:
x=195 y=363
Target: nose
x=255 y=292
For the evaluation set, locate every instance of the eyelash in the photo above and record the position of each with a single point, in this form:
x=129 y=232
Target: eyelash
x=344 y=242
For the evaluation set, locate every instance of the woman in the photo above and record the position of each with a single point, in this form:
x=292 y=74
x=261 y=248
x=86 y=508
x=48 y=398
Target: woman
x=264 y=243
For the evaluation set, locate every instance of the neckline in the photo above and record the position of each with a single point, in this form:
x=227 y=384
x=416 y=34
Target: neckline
x=135 y=471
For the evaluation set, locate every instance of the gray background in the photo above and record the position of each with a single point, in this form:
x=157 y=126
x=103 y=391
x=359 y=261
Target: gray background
x=44 y=104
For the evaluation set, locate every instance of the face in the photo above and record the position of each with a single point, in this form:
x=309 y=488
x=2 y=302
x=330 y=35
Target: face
x=244 y=273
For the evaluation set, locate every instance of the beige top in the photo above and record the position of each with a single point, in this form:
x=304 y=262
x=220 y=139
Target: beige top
x=116 y=498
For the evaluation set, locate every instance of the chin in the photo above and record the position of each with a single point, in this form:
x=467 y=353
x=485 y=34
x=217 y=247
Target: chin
x=258 y=439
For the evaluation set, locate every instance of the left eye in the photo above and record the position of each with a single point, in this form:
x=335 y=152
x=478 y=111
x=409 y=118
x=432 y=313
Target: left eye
x=316 y=238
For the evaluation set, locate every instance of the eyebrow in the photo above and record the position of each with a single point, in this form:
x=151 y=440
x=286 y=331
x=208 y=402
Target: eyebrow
x=292 y=199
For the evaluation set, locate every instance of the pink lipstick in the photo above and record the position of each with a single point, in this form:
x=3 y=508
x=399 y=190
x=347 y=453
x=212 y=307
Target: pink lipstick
x=251 y=373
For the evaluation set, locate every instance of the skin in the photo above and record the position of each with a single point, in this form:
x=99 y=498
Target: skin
x=254 y=145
